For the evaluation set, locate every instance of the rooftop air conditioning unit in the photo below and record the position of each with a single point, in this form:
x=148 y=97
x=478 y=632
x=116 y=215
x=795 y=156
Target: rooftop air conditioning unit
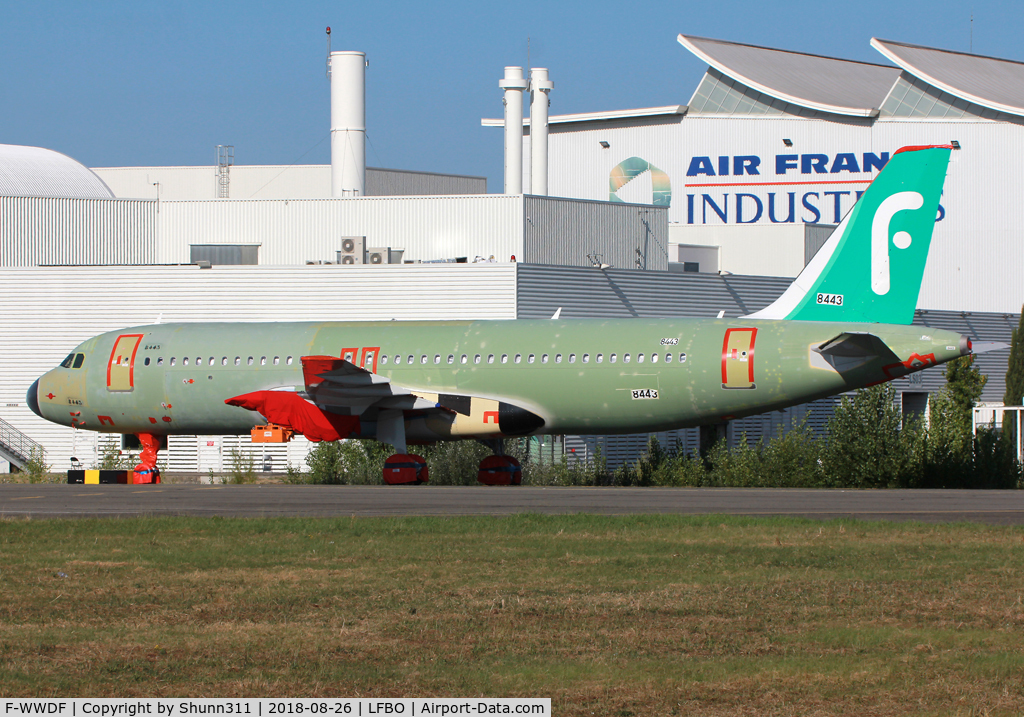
x=352 y=250
x=380 y=255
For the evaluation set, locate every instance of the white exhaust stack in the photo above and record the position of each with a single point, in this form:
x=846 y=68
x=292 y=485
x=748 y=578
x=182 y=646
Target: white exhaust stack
x=513 y=84
x=348 y=124
x=540 y=86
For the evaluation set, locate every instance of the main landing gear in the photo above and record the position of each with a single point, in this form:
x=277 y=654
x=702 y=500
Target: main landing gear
x=146 y=471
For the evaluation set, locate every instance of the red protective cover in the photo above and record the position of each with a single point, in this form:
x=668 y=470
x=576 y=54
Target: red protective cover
x=500 y=470
x=292 y=411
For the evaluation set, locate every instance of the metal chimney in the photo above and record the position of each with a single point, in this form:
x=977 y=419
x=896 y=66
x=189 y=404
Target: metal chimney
x=348 y=124
x=513 y=84
x=540 y=86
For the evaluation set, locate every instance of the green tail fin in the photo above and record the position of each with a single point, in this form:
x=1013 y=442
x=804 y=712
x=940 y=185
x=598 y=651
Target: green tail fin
x=870 y=268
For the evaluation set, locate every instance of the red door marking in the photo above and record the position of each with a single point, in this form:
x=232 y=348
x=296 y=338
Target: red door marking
x=490 y=416
x=374 y=352
x=104 y=420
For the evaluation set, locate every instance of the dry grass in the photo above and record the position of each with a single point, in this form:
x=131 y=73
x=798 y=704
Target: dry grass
x=606 y=615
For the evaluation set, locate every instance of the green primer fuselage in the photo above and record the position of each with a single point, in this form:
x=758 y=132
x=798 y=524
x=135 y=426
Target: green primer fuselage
x=564 y=384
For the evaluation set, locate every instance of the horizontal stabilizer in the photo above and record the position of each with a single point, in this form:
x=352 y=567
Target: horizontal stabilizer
x=850 y=350
x=981 y=347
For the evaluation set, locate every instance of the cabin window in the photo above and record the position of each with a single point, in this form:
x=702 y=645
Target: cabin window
x=654 y=358
x=600 y=358
x=668 y=358
x=66 y=363
x=451 y=359
x=249 y=362
x=184 y=361
x=384 y=358
x=682 y=358
x=224 y=361
x=625 y=358
x=398 y=359
x=490 y=358
x=172 y=360
x=504 y=358
x=530 y=358
x=572 y=358
x=277 y=360
x=288 y=360
x=639 y=358
x=519 y=357
x=212 y=360
x=199 y=360
x=238 y=360
x=146 y=362
x=160 y=361
x=423 y=359
x=544 y=358
x=558 y=358
x=586 y=358
x=263 y=360
x=465 y=358
x=611 y=358
x=476 y=359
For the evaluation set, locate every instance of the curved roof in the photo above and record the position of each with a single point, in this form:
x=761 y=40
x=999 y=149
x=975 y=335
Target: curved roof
x=38 y=172
x=821 y=83
x=992 y=82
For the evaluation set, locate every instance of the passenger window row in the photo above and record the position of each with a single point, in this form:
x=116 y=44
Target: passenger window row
x=212 y=361
x=399 y=359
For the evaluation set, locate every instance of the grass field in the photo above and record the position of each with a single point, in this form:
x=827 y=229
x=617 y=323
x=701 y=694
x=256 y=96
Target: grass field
x=605 y=615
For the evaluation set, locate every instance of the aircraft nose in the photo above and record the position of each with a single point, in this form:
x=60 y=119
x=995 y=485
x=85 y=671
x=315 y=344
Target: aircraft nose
x=32 y=397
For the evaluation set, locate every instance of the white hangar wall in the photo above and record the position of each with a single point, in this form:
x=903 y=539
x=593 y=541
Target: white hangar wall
x=52 y=309
x=976 y=260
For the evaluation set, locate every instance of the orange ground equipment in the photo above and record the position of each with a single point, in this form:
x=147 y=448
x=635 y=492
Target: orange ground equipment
x=271 y=433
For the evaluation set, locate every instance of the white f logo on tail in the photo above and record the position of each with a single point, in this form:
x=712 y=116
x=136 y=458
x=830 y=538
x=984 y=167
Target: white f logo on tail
x=880 y=236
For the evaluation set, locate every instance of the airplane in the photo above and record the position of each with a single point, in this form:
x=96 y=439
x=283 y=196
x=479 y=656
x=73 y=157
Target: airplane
x=843 y=324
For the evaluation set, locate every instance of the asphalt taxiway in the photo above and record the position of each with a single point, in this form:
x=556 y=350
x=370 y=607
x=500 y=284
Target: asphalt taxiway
x=91 y=501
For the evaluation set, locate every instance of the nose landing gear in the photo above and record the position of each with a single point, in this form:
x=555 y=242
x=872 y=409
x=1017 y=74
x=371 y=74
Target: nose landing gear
x=147 y=472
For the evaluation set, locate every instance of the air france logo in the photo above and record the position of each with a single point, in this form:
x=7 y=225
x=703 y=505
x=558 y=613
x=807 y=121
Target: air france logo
x=901 y=201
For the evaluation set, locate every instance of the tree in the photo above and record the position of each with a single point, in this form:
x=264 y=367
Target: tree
x=1014 y=395
x=867 y=445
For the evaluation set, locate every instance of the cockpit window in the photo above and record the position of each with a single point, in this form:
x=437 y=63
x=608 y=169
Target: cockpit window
x=66 y=363
x=79 y=358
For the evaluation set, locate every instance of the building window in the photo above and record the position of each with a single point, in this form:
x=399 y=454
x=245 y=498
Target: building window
x=225 y=254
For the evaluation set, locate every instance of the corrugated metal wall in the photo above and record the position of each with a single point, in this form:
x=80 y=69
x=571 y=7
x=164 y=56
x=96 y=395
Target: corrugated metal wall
x=619 y=293
x=48 y=311
x=299 y=230
x=45 y=230
x=564 y=231
x=396 y=182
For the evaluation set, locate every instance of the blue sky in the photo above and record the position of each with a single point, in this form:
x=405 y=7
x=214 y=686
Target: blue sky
x=142 y=83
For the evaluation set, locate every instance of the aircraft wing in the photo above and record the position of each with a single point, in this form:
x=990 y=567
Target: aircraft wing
x=339 y=386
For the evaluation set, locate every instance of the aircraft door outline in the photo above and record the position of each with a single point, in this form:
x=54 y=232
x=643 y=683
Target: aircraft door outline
x=738 y=358
x=121 y=365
